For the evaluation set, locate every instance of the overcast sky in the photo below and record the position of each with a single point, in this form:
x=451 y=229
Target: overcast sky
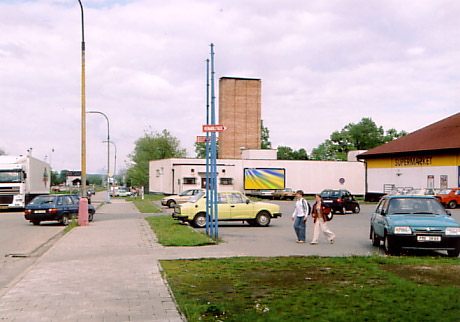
x=323 y=64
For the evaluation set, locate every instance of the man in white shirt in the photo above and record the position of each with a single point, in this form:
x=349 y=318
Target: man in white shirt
x=299 y=216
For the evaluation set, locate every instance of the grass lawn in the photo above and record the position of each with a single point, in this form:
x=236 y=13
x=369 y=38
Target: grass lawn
x=146 y=205
x=171 y=232
x=316 y=289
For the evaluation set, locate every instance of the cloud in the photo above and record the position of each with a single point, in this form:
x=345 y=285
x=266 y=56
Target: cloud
x=322 y=66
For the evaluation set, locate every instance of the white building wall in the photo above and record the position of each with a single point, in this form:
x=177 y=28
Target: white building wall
x=167 y=176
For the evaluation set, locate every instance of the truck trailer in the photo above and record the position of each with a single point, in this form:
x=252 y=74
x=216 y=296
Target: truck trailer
x=22 y=178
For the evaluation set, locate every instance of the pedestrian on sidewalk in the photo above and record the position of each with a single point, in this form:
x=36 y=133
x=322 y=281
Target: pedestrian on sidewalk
x=319 y=213
x=299 y=216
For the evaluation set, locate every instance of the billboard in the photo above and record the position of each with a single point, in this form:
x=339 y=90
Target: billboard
x=264 y=178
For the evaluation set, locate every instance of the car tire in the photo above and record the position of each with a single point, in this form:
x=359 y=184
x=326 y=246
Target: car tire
x=90 y=216
x=64 y=220
x=199 y=221
x=375 y=239
x=390 y=249
x=356 y=210
x=452 y=204
x=171 y=203
x=453 y=252
x=36 y=222
x=263 y=219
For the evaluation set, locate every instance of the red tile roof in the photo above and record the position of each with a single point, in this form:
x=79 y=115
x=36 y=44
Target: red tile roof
x=442 y=135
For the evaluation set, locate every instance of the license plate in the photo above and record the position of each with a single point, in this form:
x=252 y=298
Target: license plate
x=327 y=201
x=429 y=238
x=40 y=211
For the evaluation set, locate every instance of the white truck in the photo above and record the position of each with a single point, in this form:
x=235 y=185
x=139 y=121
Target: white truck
x=21 y=179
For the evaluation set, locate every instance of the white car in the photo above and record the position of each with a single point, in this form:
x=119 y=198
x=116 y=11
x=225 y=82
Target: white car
x=122 y=193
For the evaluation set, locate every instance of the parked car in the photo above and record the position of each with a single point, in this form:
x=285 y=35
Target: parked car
x=414 y=222
x=287 y=193
x=55 y=208
x=422 y=192
x=122 y=192
x=449 y=198
x=340 y=201
x=172 y=200
x=231 y=206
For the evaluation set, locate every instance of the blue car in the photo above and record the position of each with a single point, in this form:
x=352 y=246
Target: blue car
x=55 y=208
x=414 y=222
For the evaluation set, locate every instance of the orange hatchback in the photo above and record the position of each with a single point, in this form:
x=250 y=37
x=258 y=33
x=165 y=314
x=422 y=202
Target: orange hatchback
x=450 y=198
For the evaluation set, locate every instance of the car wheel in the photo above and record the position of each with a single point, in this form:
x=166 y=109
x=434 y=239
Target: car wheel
x=453 y=252
x=452 y=204
x=388 y=245
x=343 y=210
x=64 y=220
x=90 y=216
x=171 y=203
x=199 y=221
x=356 y=210
x=36 y=222
x=375 y=239
x=263 y=219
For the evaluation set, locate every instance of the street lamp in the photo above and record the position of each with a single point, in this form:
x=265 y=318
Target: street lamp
x=115 y=162
x=83 y=106
x=108 y=152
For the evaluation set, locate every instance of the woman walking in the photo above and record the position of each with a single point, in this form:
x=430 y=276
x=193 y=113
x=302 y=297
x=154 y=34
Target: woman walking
x=301 y=212
x=320 y=210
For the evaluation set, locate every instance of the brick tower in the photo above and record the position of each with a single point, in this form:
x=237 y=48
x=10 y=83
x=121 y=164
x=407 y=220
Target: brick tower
x=240 y=112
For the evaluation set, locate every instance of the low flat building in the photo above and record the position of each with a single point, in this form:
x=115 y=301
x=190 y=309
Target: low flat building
x=426 y=158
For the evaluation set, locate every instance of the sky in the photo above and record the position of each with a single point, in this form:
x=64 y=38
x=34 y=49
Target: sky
x=323 y=65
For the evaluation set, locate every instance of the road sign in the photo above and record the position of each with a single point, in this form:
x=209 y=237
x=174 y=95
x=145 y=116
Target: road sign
x=214 y=128
x=200 y=139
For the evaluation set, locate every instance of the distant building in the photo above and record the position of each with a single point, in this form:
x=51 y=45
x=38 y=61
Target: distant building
x=240 y=112
x=426 y=158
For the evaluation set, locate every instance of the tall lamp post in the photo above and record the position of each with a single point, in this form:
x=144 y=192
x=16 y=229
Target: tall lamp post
x=108 y=152
x=115 y=161
x=83 y=106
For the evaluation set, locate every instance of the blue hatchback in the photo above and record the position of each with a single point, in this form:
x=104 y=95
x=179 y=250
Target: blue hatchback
x=55 y=208
x=414 y=222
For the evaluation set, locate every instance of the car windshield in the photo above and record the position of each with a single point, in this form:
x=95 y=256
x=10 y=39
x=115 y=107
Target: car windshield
x=330 y=193
x=444 y=192
x=415 y=206
x=196 y=197
x=40 y=200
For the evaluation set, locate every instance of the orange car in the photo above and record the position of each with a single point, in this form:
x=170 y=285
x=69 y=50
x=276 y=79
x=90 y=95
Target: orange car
x=450 y=198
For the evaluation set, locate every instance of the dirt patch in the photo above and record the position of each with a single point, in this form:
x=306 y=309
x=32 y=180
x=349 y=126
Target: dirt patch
x=439 y=275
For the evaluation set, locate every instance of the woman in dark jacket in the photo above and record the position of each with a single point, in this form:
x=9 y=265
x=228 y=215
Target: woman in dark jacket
x=319 y=212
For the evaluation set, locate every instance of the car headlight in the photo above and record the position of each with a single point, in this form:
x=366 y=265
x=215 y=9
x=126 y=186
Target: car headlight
x=403 y=230
x=453 y=231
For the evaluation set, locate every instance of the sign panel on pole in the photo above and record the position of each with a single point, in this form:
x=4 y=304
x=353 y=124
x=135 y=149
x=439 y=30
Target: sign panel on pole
x=214 y=128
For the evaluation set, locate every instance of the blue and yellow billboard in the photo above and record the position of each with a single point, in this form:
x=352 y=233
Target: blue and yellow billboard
x=264 y=178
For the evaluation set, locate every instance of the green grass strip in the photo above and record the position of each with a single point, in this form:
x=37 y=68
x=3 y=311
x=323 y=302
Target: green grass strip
x=146 y=205
x=316 y=289
x=174 y=233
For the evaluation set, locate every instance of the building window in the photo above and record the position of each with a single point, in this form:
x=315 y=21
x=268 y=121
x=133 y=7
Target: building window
x=189 y=180
x=226 y=181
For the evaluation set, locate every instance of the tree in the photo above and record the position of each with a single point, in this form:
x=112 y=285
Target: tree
x=287 y=153
x=362 y=136
x=2 y=152
x=152 y=146
x=200 y=149
x=264 y=137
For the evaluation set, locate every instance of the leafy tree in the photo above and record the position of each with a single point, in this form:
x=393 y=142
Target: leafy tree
x=200 y=149
x=287 y=153
x=152 y=146
x=365 y=135
x=264 y=136
x=2 y=152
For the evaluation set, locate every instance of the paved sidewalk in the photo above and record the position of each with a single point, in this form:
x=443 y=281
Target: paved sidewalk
x=104 y=272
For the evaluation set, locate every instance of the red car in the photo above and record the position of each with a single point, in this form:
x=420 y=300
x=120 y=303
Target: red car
x=450 y=198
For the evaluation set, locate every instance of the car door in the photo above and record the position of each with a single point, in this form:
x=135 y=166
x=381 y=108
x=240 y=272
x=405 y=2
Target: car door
x=239 y=207
x=223 y=207
x=70 y=206
x=378 y=217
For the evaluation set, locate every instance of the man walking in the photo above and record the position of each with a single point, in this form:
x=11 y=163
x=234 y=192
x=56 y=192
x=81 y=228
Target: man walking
x=299 y=216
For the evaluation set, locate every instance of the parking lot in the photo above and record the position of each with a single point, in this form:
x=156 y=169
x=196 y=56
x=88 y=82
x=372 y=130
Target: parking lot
x=279 y=239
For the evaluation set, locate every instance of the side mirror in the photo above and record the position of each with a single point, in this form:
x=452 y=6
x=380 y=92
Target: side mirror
x=382 y=212
x=248 y=201
x=448 y=213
